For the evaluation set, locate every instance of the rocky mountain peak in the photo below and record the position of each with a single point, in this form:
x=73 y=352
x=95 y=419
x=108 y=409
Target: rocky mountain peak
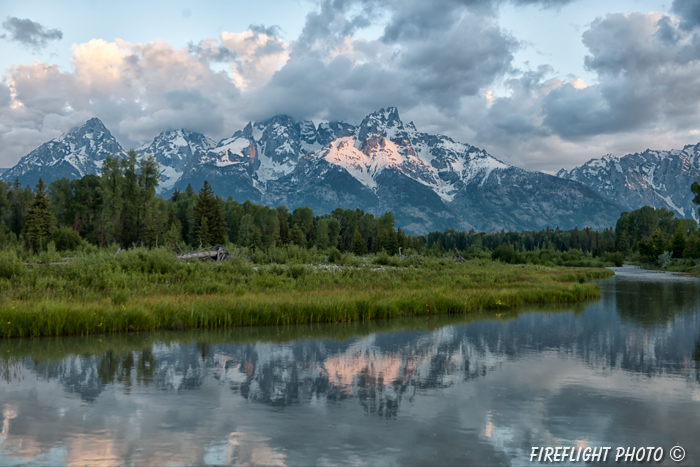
x=76 y=153
x=383 y=122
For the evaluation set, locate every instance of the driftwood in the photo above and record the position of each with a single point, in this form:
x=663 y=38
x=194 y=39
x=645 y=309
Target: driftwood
x=217 y=253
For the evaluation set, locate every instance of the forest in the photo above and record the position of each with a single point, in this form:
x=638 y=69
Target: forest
x=121 y=207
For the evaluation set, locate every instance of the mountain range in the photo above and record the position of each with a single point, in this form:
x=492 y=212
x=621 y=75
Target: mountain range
x=430 y=182
x=651 y=178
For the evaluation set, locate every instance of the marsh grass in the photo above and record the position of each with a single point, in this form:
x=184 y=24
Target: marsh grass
x=148 y=290
x=52 y=349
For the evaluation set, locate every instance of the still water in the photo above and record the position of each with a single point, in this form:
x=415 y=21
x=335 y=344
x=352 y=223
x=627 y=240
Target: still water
x=622 y=371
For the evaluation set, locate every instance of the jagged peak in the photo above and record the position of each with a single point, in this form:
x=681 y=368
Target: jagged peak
x=383 y=122
x=92 y=125
x=389 y=116
x=282 y=119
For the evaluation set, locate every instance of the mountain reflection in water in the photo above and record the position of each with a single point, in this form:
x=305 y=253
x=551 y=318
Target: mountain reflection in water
x=622 y=371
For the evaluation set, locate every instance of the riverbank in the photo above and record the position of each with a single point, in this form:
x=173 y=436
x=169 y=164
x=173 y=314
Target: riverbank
x=141 y=290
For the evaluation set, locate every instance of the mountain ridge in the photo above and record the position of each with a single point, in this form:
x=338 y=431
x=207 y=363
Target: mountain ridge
x=430 y=182
x=650 y=178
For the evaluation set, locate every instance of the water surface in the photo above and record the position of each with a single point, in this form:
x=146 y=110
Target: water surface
x=621 y=371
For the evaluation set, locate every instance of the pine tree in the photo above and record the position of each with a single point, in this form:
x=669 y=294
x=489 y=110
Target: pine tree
x=296 y=236
x=359 y=247
x=40 y=220
x=174 y=233
x=201 y=231
x=133 y=201
x=678 y=243
x=209 y=207
x=113 y=201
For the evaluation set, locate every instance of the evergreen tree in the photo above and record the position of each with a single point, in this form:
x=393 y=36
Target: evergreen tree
x=692 y=247
x=174 y=233
x=133 y=201
x=201 y=231
x=623 y=243
x=283 y=216
x=209 y=207
x=322 y=241
x=40 y=220
x=658 y=244
x=297 y=237
x=113 y=201
x=359 y=247
x=245 y=230
x=678 y=243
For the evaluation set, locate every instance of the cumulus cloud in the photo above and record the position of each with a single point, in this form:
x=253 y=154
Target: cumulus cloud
x=29 y=33
x=331 y=74
x=137 y=90
x=254 y=55
x=688 y=11
x=649 y=72
x=446 y=64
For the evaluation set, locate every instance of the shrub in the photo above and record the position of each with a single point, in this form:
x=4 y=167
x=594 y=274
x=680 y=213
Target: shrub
x=10 y=265
x=334 y=255
x=665 y=259
x=382 y=259
x=158 y=260
x=259 y=257
x=296 y=271
x=616 y=258
x=66 y=239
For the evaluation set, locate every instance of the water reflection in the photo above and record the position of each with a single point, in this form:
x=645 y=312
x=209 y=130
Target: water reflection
x=621 y=371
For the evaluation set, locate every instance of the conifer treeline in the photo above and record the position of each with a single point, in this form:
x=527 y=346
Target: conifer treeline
x=121 y=206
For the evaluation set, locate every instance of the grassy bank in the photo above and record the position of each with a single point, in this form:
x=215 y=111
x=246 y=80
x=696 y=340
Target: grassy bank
x=140 y=290
x=53 y=349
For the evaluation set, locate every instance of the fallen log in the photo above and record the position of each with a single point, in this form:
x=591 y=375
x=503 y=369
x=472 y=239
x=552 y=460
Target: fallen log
x=217 y=254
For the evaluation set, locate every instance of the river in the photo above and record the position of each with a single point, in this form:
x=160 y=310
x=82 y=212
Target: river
x=622 y=371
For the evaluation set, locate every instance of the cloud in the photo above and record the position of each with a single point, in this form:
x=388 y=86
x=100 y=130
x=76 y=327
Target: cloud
x=331 y=74
x=29 y=33
x=688 y=11
x=137 y=90
x=254 y=56
x=649 y=72
x=446 y=64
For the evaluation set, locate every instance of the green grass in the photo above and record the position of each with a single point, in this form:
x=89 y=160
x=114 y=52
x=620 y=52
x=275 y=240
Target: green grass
x=141 y=290
x=52 y=349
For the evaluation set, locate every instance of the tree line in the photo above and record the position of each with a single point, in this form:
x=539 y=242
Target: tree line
x=121 y=207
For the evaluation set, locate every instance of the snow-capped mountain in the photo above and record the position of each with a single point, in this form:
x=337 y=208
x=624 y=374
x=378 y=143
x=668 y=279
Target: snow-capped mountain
x=175 y=150
x=429 y=182
x=652 y=178
x=79 y=152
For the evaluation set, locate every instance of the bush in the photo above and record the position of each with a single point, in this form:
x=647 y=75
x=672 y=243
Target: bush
x=158 y=261
x=616 y=258
x=665 y=259
x=50 y=255
x=296 y=271
x=506 y=254
x=382 y=259
x=259 y=257
x=334 y=255
x=66 y=239
x=10 y=265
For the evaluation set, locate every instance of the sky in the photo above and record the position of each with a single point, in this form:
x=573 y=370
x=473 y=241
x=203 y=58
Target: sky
x=541 y=84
